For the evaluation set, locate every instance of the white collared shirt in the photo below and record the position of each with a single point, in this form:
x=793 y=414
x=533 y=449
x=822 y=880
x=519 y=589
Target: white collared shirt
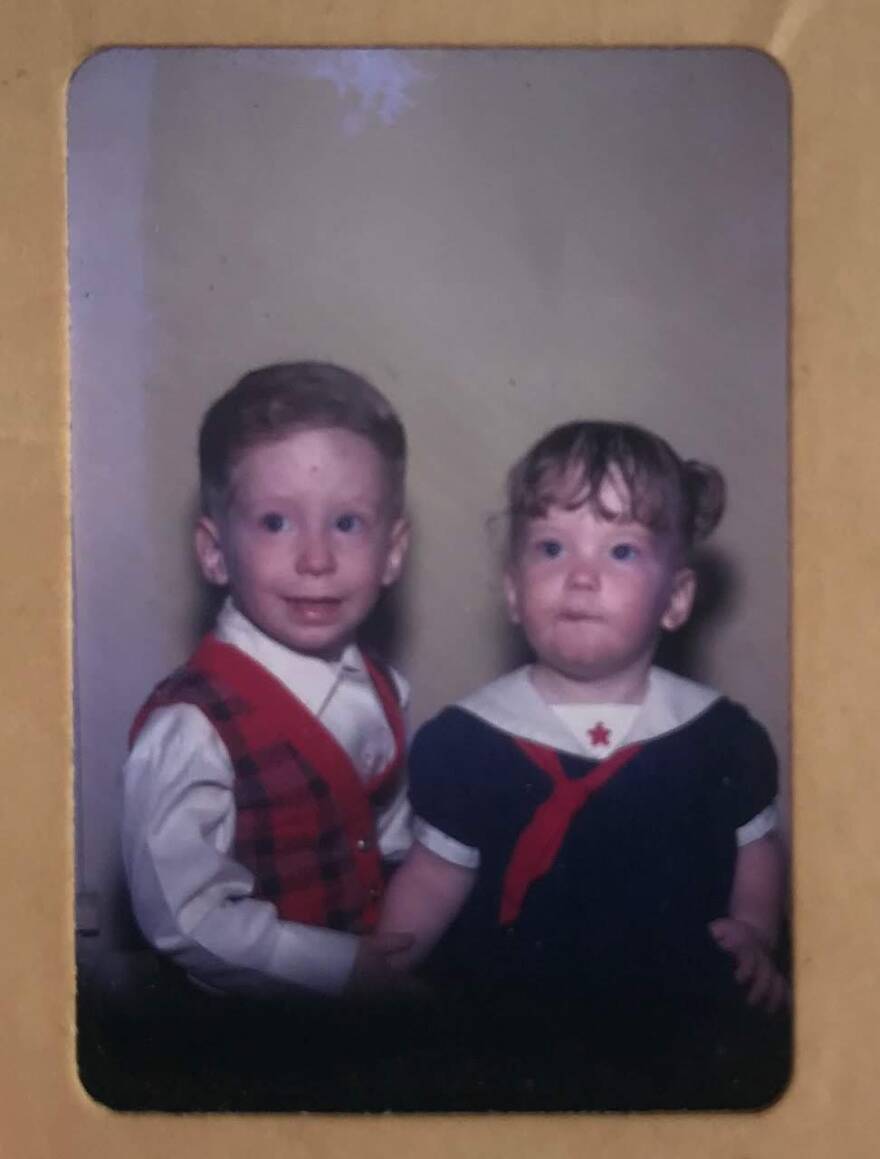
x=192 y=900
x=513 y=705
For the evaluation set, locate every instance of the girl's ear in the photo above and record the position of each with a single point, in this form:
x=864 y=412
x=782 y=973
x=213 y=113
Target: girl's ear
x=681 y=599
x=398 y=543
x=209 y=551
x=511 y=595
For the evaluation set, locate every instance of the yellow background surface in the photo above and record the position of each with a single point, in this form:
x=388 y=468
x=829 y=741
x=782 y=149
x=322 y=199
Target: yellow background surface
x=830 y=51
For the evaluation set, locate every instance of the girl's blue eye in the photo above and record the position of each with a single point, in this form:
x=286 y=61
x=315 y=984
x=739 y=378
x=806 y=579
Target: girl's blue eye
x=624 y=551
x=273 y=522
x=549 y=548
x=349 y=523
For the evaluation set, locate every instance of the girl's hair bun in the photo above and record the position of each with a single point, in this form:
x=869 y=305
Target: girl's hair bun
x=706 y=494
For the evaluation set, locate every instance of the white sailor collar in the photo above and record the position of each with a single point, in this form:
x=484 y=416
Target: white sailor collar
x=309 y=678
x=513 y=705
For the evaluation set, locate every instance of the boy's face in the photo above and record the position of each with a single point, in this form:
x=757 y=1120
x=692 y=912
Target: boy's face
x=308 y=538
x=592 y=595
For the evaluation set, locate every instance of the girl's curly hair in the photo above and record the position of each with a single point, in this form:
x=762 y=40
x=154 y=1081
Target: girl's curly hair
x=571 y=464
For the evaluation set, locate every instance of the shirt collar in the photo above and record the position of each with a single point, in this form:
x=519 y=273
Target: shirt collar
x=513 y=705
x=309 y=678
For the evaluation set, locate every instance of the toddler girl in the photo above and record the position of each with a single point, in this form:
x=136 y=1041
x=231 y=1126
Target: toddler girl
x=596 y=851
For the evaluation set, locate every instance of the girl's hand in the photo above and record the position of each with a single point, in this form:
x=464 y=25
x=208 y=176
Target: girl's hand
x=375 y=973
x=755 y=967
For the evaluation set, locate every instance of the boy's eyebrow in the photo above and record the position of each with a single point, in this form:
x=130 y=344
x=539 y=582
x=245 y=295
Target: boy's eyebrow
x=357 y=499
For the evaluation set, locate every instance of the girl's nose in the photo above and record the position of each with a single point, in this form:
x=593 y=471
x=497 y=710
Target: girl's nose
x=314 y=556
x=584 y=573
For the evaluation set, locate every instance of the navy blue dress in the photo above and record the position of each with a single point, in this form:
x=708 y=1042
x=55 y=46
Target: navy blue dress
x=610 y=948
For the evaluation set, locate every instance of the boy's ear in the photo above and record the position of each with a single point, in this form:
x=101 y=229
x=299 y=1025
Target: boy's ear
x=681 y=599
x=398 y=542
x=512 y=597
x=209 y=551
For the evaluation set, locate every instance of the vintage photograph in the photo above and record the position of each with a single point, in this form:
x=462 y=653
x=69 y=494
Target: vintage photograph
x=430 y=472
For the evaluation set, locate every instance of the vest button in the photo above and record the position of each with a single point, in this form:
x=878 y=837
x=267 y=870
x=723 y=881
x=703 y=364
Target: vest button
x=363 y=844
x=373 y=893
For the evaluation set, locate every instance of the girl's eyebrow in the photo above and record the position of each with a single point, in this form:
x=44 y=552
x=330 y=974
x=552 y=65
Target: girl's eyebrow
x=630 y=525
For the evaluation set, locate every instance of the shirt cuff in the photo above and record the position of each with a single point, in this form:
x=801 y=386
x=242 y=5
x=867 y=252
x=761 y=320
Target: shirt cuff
x=311 y=956
x=444 y=845
x=759 y=826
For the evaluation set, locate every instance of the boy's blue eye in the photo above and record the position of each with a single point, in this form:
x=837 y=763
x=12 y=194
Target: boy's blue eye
x=273 y=521
x=349 y=522
x=624 y=551
x=549 y=548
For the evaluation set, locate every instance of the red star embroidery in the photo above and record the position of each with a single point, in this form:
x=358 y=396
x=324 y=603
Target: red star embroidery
x=599 y=734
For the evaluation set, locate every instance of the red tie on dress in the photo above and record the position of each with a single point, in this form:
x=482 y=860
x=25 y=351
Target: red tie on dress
x=540 y=841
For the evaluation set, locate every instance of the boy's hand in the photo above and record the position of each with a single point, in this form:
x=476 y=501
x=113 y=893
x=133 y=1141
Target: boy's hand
x=374 y=972
x=754 y=963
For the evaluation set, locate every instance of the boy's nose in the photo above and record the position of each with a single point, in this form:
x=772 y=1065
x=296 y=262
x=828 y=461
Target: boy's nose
x=314 y=556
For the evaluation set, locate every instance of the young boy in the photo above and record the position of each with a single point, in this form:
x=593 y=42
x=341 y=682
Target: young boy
x=264 y=788
x=596 y=836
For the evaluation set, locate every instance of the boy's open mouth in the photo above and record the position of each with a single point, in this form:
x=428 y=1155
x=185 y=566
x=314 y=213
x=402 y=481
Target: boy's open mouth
x=314 y=610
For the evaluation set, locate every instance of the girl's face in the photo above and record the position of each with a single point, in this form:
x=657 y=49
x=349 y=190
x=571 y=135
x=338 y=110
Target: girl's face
x=592 y=594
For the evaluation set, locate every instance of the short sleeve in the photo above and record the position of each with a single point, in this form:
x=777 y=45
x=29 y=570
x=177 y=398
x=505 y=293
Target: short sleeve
x=443 y=788
x=751 y=779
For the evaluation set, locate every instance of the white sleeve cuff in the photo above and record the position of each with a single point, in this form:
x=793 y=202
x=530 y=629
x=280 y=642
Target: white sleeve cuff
x=445 y=846
x=314 y=957
x=759 y=826
x=295 y=957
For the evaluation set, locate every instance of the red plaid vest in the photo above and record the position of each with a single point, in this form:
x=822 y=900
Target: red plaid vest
x=305 y=824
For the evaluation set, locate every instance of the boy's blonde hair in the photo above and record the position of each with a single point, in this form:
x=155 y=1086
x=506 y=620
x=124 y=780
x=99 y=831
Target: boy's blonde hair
x=569 y=466
x=269 y=403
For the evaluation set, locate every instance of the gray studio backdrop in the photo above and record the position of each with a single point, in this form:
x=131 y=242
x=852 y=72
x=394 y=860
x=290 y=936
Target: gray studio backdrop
x=501 y=240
